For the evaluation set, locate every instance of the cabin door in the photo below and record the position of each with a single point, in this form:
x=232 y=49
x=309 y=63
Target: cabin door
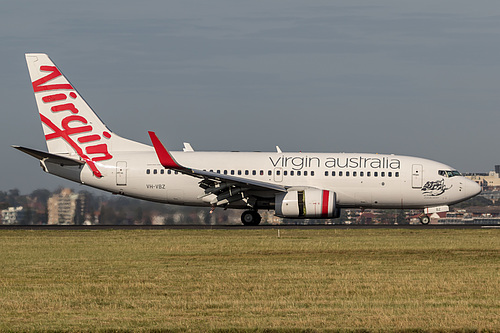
x=417 y=175
x=121 y=173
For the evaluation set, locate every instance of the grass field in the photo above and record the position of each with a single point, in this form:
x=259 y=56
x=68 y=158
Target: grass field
x=250 y=280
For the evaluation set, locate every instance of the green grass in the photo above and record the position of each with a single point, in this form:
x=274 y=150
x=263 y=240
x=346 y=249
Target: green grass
x=250 y=280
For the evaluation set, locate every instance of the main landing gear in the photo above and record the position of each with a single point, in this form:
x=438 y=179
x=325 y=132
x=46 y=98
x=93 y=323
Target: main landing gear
x=250 y=217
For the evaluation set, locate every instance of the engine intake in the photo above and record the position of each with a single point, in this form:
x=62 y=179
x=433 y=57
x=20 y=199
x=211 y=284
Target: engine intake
x=309 y=203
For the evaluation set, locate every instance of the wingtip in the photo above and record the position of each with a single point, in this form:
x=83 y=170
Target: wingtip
x=166 y=160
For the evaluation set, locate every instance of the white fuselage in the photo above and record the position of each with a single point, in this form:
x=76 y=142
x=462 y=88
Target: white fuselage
x=360 y=180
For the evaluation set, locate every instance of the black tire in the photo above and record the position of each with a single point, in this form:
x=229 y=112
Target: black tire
x=250 y=217
x=425 y=220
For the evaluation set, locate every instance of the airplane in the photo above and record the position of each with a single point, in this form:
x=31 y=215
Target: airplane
x=297 y=185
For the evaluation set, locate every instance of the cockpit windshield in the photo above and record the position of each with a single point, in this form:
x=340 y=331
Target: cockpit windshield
x=449 y=173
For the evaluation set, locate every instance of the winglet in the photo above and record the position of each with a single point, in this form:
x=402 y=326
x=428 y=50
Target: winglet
x=164 y=156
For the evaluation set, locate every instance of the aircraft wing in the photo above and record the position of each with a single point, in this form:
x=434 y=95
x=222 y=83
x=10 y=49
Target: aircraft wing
x=255 y=184
x=227 y=188
x=48 y=157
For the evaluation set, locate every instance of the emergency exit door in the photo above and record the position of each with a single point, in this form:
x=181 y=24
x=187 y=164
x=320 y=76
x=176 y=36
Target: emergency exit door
x=278 y=175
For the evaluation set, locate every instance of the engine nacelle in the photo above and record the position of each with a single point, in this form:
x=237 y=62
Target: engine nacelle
x=308 y=203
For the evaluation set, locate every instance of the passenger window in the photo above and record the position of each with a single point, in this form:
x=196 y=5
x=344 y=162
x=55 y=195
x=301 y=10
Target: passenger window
x=397 y=174
x=298 y=173
x=340 y=173
x=361 y=173
x=305 y=173
x=162 y=171
x=262 y=172
x=232 y=172
x=354 y=173
x=375 y=174
x=254 y=172
x=291 y=173
x=247 y=172
x=218 y=171
x=326 y=173
x=175 y=172
x=333 y=173
x=390 y=174
x=155 y=172
x=285 y=173
x=312 y=173
x=368 y=174
x=225 y=172
x=148 y=172
x=269 y=172
x=169 y=172
x=347 y=173
x=239 y=172
x=278 y=172
x=382 y=174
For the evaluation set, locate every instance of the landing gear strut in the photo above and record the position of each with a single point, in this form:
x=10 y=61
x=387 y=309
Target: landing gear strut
x=250 y=217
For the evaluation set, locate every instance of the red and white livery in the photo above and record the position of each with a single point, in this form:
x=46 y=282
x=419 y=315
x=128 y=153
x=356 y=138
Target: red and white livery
x=295 y=185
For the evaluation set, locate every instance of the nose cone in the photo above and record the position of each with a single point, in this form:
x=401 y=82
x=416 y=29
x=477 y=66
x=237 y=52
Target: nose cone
x=472 y=188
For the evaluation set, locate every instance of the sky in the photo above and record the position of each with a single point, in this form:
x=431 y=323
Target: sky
x=419 y=78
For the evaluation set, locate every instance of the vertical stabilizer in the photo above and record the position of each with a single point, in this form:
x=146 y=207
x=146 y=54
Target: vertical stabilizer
x=70 y=126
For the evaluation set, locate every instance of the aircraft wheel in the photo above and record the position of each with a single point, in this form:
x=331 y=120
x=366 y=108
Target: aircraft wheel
x=425 y=219
x=250 y=217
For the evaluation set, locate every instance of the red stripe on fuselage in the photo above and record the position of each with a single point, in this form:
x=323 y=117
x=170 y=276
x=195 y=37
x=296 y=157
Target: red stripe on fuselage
x=324 y=206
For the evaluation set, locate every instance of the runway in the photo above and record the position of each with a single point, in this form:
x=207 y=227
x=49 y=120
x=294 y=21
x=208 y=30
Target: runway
x=242 y=227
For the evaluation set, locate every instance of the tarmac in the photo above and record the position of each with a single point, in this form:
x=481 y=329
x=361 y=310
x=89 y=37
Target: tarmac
x=242 y=227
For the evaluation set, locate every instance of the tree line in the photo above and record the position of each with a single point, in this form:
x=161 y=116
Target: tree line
x=120 y=210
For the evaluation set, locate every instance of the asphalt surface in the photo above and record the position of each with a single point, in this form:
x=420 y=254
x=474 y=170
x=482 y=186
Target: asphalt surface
x=242 y=227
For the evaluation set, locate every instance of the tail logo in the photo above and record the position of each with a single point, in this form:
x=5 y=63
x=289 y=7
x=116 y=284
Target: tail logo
x=73 y=124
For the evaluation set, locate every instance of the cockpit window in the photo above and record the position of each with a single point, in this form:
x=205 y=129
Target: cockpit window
x=449 y=173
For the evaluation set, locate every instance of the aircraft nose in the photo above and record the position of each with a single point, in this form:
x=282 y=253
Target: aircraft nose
x=473 y=188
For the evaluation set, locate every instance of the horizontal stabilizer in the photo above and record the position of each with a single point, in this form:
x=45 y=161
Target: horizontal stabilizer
x=48 y=157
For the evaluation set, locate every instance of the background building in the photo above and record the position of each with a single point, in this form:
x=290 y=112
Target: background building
x=488 y=181
x=66 y=207
x=13 y=215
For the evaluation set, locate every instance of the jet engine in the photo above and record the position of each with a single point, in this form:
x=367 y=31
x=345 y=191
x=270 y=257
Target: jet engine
x=307 y=203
